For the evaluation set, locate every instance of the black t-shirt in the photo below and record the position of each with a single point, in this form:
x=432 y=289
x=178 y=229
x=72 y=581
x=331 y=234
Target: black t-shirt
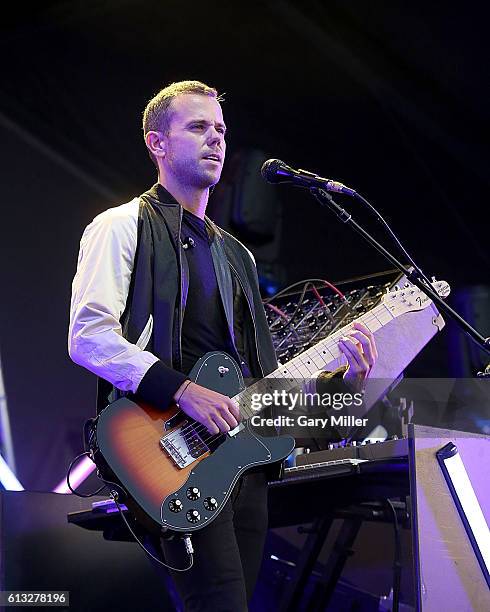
x=204 y=326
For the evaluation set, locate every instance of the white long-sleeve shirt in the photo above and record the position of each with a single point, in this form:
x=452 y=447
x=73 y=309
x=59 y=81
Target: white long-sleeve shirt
x=99 y=293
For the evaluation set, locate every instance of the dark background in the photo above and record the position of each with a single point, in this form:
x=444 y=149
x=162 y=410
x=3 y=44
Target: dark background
x=389 y=97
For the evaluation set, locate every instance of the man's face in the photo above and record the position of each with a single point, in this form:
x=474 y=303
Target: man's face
x=195 y=141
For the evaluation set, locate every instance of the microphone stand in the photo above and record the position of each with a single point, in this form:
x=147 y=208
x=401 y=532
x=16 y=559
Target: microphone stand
x=414 y=276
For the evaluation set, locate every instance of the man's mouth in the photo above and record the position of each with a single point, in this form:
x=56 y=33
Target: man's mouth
x=213 y=157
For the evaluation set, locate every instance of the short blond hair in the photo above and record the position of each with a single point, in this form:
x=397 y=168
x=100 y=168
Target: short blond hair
x=156 y=116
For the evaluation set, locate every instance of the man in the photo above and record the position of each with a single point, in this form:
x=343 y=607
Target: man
x=157 y=286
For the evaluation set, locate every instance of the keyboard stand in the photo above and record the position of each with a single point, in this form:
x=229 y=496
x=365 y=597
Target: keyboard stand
x=352 y=519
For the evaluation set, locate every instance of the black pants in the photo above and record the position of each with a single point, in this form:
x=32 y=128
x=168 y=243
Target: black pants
x=227 y=553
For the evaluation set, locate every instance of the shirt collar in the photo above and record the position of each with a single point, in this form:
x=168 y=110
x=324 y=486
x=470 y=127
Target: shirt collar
x=158 y=192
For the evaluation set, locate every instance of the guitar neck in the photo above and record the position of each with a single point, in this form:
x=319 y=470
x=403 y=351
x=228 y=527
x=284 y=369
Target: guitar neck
x=317 y=357
x=308 y=363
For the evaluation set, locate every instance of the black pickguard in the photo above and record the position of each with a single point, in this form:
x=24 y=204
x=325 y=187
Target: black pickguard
x=215 y=476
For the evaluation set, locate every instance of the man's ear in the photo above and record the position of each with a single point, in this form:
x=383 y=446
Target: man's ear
x=155 y=141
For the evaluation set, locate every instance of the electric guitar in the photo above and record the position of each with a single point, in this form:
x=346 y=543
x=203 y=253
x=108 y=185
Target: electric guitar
x=179 y=473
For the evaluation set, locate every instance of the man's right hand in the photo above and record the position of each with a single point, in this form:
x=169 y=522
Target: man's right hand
x=218 y=413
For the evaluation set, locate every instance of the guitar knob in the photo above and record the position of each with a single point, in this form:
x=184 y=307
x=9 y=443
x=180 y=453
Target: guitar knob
x=210 y=503
x=193 y=516
x=175 y=505
x=193 y=493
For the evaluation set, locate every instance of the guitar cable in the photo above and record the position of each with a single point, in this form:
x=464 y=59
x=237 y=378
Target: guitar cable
x=112 y=488
x=89 y=441
x=70 y=467
x=187 y=537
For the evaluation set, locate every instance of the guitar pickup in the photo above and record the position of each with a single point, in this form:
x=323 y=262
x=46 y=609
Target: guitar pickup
x=184 y=445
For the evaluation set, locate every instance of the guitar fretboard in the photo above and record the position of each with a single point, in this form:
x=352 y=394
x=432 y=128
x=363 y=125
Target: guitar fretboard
x=308 y=363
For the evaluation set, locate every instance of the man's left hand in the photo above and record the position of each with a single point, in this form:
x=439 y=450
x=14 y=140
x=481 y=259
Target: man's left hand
x=359 y=348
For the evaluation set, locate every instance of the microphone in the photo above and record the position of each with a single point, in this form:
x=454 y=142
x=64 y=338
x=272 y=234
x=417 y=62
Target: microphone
x=276 y=171
x=188 y=243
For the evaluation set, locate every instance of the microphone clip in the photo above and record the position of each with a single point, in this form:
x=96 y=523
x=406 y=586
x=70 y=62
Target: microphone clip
x=188 y=243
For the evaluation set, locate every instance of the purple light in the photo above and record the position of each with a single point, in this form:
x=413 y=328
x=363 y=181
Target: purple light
x=8 y=478
x=80 y=473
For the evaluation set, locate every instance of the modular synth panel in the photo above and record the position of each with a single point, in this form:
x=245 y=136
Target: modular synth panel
x=312 y=310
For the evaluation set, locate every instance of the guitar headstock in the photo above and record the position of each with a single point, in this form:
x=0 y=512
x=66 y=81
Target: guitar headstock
x=410 y=298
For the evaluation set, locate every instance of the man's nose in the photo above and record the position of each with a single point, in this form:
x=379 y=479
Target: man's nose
x=214 y=136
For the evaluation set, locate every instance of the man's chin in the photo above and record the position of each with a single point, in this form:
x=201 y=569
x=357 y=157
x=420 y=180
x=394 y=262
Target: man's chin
x=209 y=180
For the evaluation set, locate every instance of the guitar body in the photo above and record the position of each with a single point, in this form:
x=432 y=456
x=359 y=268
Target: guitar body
x=165 y=462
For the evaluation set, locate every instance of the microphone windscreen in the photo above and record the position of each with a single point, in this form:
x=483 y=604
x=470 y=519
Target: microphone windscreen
x=269 y=170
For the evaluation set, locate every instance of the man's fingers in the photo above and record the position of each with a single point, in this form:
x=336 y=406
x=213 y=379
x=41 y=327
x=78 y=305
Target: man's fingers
x=354 y=356
x=235 y=410
x=217 y=412
x=221 y=423
x=359 y=347
x=367 y=347
x=226 y=415
x=211 y=426
x=369 y=334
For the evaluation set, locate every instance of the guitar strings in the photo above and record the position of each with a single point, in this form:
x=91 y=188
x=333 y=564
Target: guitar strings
x=201 y=429
x=330 y=342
